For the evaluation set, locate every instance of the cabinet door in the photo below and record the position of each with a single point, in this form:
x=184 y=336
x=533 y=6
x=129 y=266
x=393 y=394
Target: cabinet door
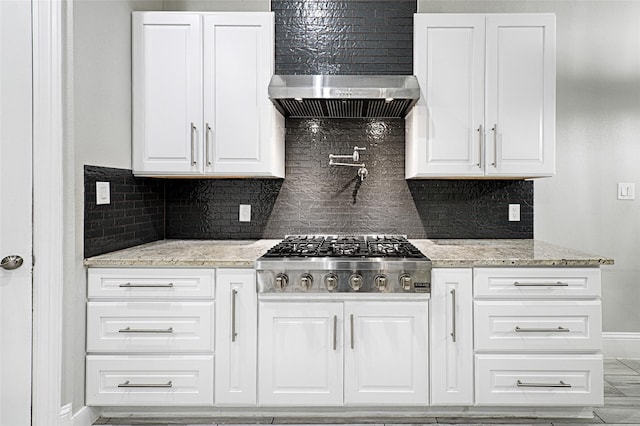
x=386 y=353
x=236 y=337
x=238 y=64
x=521 y=94
x=447 y=123
x=300 y=353
x=452 y=337
x=167 y=94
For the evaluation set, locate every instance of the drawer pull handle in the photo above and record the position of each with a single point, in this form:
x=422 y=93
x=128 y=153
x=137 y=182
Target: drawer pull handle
x=335 y=332
x=127 y=384
x=542 y=330
x=562 y=384
x=453 y=315
x=129 y=285
x=352 y=342
x=556 y=284
x=234 y=333
x=138 y=330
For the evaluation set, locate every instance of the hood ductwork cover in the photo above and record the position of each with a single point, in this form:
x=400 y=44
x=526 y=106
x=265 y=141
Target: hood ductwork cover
x=344 y=96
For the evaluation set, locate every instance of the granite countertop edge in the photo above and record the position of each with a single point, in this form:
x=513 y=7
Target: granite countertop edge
x=443 y=253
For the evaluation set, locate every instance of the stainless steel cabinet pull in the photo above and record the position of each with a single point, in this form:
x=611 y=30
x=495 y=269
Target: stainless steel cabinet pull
x=127 y=384
x=129 y=285
x=480 y=159
x=495 y=145
x=233 y=315
x=453 y=315
x=556 y=284
x=207 y=144
x=542 y=330
x=352 y=341
x=335 y=332
x=562 y=384
x=142 y=330
x=193 y=144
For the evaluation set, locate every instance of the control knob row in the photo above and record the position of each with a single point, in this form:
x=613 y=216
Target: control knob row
x=355 y=282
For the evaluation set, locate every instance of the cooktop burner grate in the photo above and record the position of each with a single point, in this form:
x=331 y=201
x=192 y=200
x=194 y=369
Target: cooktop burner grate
x=304 y=246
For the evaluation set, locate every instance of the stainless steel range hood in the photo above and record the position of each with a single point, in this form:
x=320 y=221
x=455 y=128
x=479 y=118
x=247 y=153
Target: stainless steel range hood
x=344 y=96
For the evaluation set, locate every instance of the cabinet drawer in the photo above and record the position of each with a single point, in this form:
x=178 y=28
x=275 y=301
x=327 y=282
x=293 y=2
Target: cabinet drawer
x=150 y=283
x=150 y=326
x=538 y=325
x=545 y=380
x=536 y=282
x=149 y=380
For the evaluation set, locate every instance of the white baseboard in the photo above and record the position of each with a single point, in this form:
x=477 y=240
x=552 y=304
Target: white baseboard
x=621 y=345
x=85 y=416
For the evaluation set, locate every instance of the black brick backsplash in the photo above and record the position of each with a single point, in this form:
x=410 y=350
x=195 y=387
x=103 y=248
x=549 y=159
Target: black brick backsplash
x=344 y=37
x=209 y=208
x=134 y=216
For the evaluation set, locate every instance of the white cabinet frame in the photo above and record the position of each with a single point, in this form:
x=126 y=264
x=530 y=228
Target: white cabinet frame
x=451 y=337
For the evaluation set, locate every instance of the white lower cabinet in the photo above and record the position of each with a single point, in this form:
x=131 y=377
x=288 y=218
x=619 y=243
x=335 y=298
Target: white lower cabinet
x=386 y=353
x=151 y=380
x=538 y=336
x=330 y=353
x=236 y=337
x=451 y=337
x=301 y=353
x=150 y=337
x=539 y=379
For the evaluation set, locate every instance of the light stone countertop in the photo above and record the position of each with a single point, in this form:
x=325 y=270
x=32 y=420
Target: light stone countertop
x=443 y=253
x=466 y=253
x=193 y=253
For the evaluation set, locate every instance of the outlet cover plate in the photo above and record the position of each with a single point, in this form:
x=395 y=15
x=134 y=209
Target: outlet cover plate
x=514 y=212
x=103 y=193
x=245 y=213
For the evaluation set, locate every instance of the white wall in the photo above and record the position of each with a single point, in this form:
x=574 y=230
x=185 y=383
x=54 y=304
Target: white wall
x=598 y=140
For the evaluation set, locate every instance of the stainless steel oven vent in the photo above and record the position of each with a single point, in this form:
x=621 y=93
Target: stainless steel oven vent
x=344 y=96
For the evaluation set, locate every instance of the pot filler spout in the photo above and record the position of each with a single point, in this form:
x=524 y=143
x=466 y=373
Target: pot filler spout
x=344 y=96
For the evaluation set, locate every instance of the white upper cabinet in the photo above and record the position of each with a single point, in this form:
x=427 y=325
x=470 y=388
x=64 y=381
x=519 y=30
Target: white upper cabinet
x=200 y=98
x=487 y=105
x=167 y=94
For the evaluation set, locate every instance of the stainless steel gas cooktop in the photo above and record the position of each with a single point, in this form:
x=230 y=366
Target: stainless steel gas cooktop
x=344 y=263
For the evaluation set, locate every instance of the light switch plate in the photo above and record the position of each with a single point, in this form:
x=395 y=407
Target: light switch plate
x=103 y=193
x=626 y=191
x=514 y=212
x=245 y=213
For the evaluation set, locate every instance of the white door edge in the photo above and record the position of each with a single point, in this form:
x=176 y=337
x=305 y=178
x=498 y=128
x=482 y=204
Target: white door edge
x=48 y=209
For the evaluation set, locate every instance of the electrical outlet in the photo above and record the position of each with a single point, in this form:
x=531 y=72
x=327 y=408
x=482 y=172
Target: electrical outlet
x=514 y=212
x=103 y=194
x=245 y=213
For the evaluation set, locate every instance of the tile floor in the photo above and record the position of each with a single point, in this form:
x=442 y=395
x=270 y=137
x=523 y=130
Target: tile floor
x=621 y=407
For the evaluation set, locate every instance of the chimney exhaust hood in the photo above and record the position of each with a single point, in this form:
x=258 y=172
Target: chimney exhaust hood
x=344 y=96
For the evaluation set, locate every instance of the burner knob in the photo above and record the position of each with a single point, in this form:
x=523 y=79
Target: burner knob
x=281 y=281
x=405 y=281
x=331 y=281
x=380 y=282
x=355 y=281
x=306 y=281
